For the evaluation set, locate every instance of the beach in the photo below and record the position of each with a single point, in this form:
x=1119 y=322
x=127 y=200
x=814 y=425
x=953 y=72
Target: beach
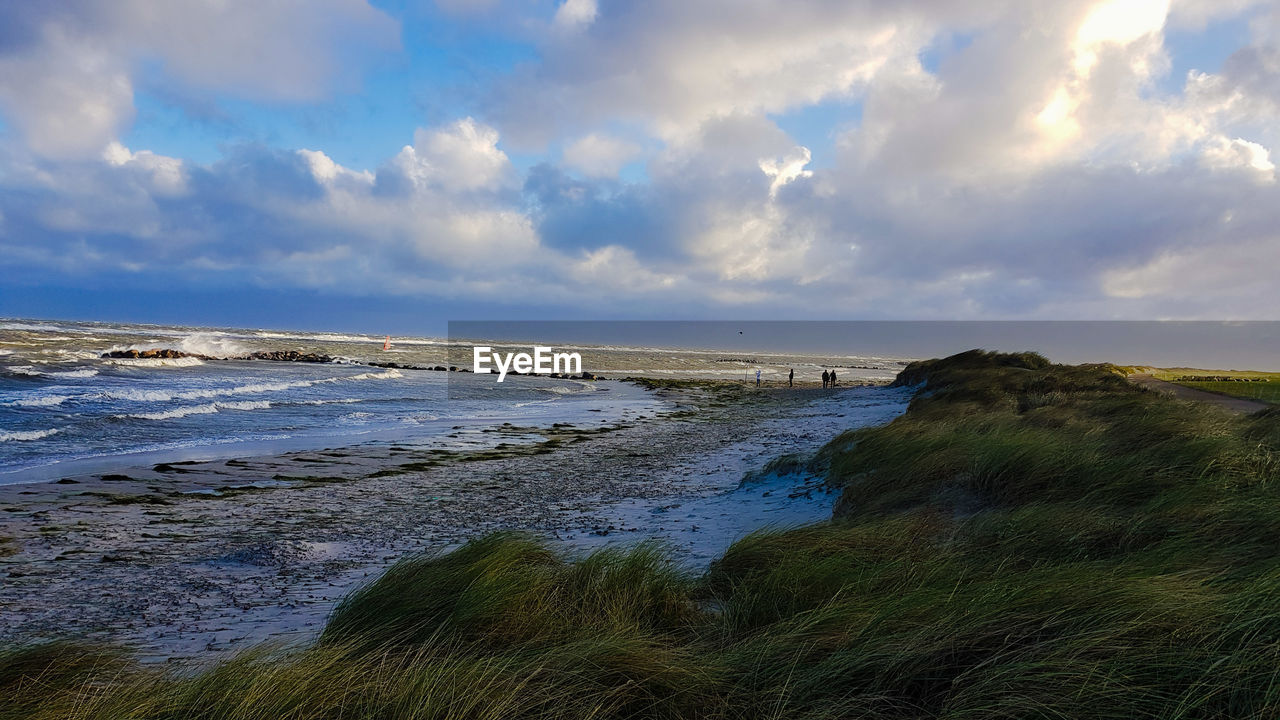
x=189 y=560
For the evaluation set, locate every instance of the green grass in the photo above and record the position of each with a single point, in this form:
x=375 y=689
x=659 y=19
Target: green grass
x=1028 y=540
x=1267 y=391
x=1249 y=384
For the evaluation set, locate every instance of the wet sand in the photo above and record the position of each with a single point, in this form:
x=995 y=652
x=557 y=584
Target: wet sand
x=188 y=561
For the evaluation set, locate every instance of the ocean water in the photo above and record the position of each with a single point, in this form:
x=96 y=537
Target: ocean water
x=65 y=410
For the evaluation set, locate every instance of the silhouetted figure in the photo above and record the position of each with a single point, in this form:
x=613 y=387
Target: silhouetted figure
x=833 y=378
x=825 y=378
x=757 y=378
x=791 y=376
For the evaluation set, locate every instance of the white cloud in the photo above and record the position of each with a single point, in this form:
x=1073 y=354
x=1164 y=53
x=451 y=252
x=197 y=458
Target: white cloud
x=598 y=155
x=1237 y=154
x=786 y=169
x=67 y=95
x=68 y=86
x=672 y=65
x=575 y=14
x=462 y=156
x=163 y=176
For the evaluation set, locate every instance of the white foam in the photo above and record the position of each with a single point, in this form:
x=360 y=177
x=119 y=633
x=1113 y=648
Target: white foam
x=30 y=327
x=391 y=374
x=138 y=395
x=25 y=370
x=26 y=434
x=339 y=401
x=84 y=373
x=212 y=344
x=157 y=362
x=39 y=401
x=251 y=389
x=204 y=409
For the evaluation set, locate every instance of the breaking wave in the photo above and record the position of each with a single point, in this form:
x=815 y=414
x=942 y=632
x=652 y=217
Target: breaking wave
x=157 y=362
x=251 y=389
x=212 y=345
x=26 y=434
x=38 y=401
x=83 y=373
x=203 y=409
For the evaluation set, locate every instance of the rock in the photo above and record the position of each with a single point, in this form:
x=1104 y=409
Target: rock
x=290 y=356
x=155 y=354
x=587 y=376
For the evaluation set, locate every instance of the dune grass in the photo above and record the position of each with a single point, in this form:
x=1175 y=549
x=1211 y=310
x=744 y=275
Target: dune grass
x=1028 y=540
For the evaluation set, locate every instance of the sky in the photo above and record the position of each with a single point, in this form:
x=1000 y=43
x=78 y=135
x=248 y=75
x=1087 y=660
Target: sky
x=397 y=163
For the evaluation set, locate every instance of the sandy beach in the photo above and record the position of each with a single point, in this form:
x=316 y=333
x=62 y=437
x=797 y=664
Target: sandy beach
x=192 y=560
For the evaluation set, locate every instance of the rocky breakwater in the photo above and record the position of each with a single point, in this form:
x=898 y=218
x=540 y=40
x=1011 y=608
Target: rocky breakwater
x=171 y=354
x=289 y=356
x=157 y=354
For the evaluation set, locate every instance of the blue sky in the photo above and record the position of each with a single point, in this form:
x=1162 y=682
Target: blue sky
x=337 y=163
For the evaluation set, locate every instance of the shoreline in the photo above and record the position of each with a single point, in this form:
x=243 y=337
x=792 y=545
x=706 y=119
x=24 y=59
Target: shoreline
x=187 y=560
x=133 y=462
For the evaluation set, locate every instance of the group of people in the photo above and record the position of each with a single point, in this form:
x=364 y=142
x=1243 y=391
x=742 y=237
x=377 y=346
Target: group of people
x=828 y=378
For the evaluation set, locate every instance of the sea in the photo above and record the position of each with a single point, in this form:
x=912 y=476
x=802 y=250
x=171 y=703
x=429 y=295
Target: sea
x=67 y=410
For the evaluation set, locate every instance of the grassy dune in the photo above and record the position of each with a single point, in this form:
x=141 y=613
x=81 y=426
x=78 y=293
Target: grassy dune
x=1029 y=540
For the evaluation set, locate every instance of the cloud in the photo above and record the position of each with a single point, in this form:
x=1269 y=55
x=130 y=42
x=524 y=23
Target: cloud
x=575 y=14
x=597 y=155
x=786 y=169
x=68 y=69
x=670 y=65
x=463 y=156
x=999 y=159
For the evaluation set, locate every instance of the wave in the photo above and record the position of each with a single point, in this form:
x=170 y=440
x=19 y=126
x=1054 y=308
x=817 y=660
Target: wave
x=30 y=371
x=391 y=374
x=251 y=389
x=565 y=389
x=203 y=409
x=321 y=337
x=212 y=345
x=27 y=370
x=83 y=373
x=26 y=434
x=31 y=327
x=156 y=362
x=38 y=401
x=338 y=401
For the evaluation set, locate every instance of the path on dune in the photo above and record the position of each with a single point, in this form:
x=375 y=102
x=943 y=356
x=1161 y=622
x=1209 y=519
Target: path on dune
x=1226 y=402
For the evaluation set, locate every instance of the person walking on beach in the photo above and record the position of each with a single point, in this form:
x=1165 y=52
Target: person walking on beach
x=833 y=378
x=757 y=377
x=824 y=378
x=791 y=376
